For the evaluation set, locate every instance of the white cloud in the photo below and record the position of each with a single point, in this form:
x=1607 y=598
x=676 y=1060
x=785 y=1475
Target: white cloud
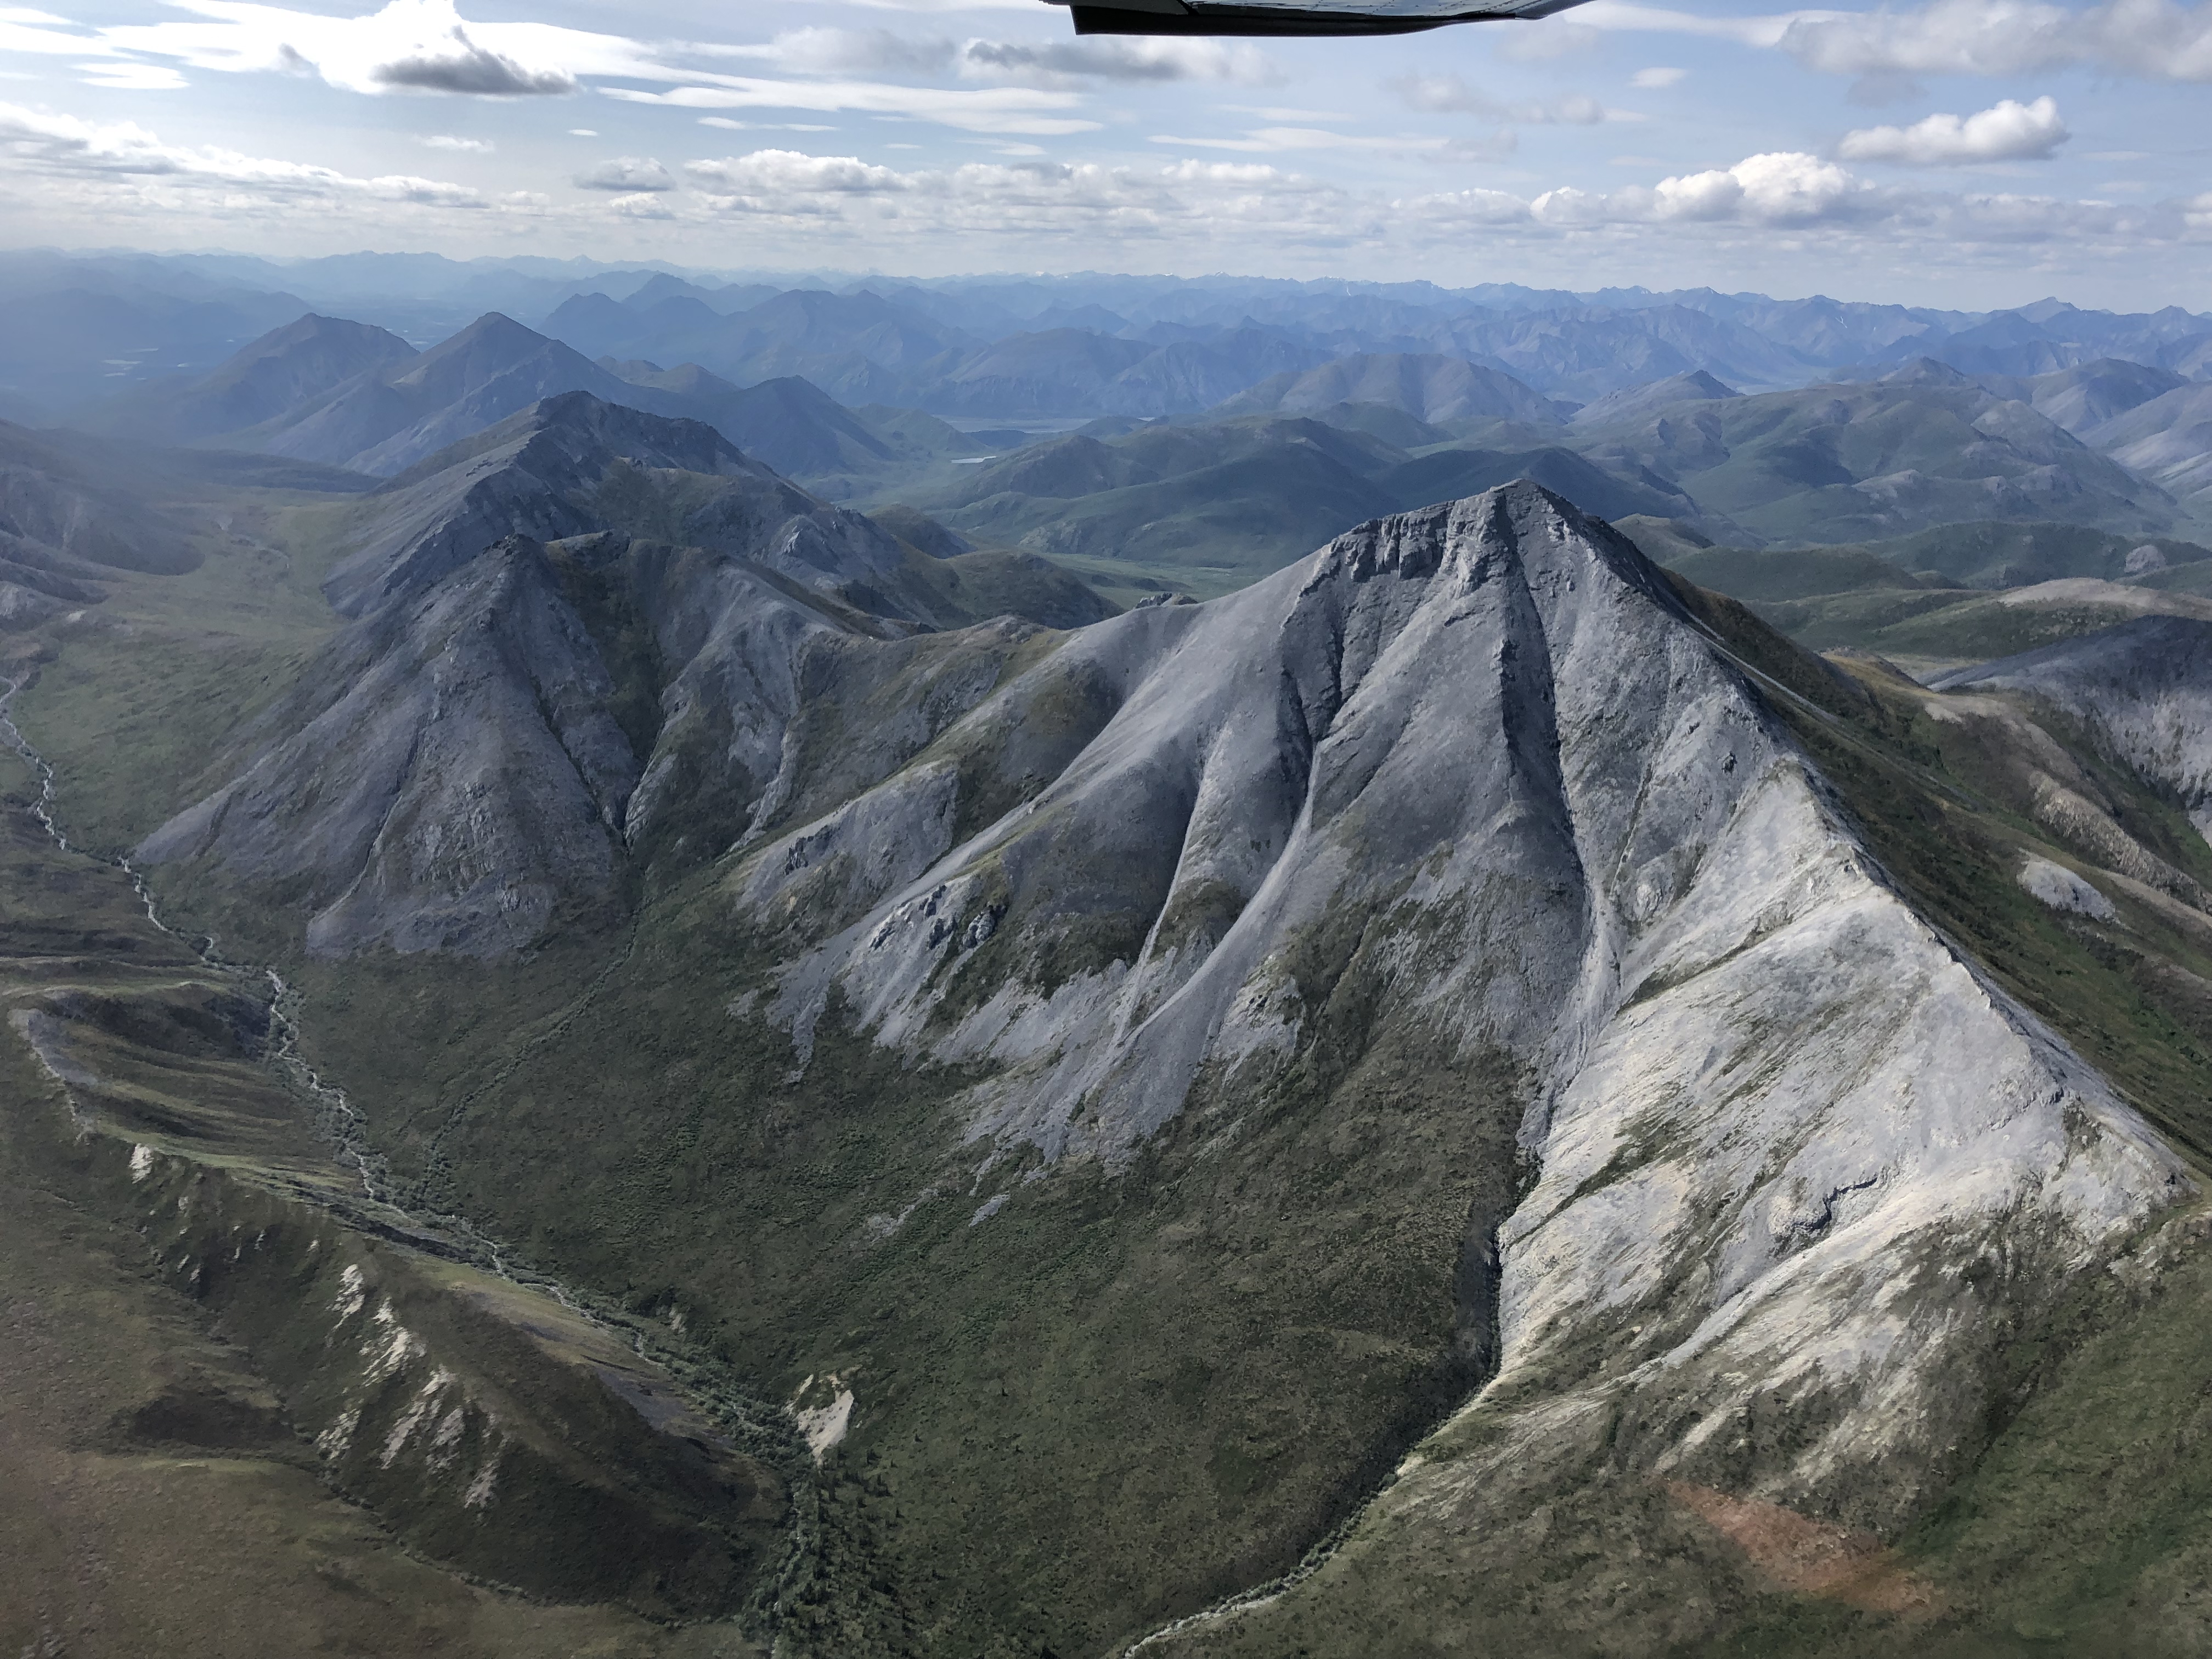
x=1764 y=31
x=427 y=46
x=1774 y=188
x=2008 y=131
x=789 y=173
x=855 y=51
x=120 y=75
x=1265 y=140
x=728 y=125
x=467 y=146
x=1119 y=58
x=1449 y=94
x=1019 y=110
x=40 y=34
x=1053 y=63
x=583 y=132
x=1656 y=77
x=112 y=155
x=631 y=174
x=409 y=45
x=2157 y=39
x=1766 y=200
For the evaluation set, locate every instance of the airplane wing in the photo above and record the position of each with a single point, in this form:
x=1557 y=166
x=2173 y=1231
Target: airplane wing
x=1300 y=17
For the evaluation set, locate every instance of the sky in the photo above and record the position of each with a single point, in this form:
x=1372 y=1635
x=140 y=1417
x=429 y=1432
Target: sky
x=1959 y=153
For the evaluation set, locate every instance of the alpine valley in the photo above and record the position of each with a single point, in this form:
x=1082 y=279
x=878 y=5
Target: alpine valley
x=1096 y=966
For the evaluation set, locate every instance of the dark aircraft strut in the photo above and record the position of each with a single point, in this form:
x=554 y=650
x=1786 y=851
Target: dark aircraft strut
x=1317 y=17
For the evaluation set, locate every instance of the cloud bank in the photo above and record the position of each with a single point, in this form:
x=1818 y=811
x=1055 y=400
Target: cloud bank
x=2009 y=131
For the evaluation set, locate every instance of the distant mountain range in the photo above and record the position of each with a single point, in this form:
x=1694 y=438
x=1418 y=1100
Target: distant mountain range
x=1203 y=502
x=77 y=327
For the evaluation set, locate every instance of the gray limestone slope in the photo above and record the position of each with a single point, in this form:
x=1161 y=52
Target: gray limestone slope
x=443 y=777
x=462 y=768
x=575 y=465
x=2144 y=690
x=1469 y=782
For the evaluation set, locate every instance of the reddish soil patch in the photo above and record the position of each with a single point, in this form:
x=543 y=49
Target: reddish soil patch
x=1809 y=1557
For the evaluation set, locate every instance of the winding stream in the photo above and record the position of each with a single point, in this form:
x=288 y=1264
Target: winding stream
x=336 y=1119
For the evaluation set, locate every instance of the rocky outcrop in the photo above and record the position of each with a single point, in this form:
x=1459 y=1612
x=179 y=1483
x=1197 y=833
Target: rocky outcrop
x=444 y=776
x=2143 y=688
x=575 y=465
x=1472 y=775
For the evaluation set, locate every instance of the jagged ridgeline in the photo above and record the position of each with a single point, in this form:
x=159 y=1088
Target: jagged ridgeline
x=1465 y=1098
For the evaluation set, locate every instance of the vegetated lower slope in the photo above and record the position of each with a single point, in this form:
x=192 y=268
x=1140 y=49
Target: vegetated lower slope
x=63 y=514
x=1925 y=600
x=1140 y=1083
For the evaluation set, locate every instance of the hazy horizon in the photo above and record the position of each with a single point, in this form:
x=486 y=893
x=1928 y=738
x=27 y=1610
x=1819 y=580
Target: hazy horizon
x=584 y=266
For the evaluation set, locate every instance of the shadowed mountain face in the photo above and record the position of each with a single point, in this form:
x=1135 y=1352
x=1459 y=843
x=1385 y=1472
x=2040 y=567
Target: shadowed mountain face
x=573 y=464
x=482 y=751
x=1241 y=495
x=2089 y=394
x=788 y=424
x=386 y=421
x=2144 y=688
x=270 y=381
x=61 y=510
x=1695 y=387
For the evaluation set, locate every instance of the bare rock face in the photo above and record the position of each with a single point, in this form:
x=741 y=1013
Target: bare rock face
x=2144 y=688
x=448 y=776
x=450 y=773
x=1472 y=777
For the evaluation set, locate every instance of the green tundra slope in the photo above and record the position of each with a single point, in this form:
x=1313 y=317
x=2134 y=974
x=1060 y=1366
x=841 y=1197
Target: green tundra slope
x=248 y=1410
